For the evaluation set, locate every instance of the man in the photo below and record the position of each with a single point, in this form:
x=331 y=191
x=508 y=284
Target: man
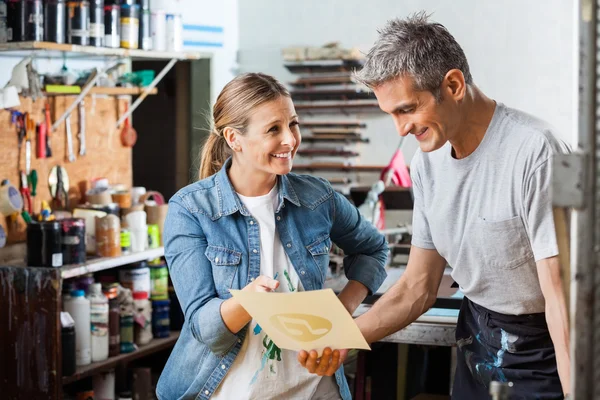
x=482 y=205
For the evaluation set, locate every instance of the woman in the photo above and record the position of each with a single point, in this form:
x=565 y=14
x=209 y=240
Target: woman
x=249 y=223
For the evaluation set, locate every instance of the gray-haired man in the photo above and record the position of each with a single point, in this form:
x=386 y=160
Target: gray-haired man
x=481 y=182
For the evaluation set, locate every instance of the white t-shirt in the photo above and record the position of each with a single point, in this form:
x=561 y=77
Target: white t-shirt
x=262 y=370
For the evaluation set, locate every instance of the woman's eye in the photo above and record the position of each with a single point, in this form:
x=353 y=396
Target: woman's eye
x=274 y=129
x=294 y=124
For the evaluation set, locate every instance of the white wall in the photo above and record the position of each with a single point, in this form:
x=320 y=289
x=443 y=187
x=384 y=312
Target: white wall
x=520 y=52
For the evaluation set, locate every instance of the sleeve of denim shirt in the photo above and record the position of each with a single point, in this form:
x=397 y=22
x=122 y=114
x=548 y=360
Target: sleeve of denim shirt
x=365 y=247
x=191 y=273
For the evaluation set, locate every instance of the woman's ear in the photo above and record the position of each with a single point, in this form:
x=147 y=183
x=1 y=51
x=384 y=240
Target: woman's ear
x=231 y=136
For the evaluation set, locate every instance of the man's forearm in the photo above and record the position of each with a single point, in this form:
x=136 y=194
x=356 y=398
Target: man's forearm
x=558 y=326
x=398 y=308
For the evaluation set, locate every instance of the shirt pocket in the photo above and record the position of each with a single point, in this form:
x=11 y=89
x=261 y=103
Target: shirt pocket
x=225 y=263
x=502 y=244
x=319 y=251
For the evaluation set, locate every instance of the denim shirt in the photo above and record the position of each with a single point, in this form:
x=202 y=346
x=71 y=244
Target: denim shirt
x=212 y=244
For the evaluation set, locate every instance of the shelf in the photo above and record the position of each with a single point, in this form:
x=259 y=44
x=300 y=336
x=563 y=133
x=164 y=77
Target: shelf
x=100 y=264
x=339 y=92
x=322 y=66
x=351 y=106
x=49 y=49
x=310 y=81
x=327 y=153
x=394 y=197
x=333 y=124
x=109 y=91
x=337 y=167
x=154 y=346
x=335 y=138
x=335 y=131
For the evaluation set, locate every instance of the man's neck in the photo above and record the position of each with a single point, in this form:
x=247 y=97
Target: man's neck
x=477 y=111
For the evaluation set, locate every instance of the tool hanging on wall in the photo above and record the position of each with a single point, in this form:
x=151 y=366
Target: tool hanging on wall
x=128 y=134
x=70 y=153
x=48 y=130
x=58 y=182
x=82 y=148
x=40 y=142
x=29 y=131
x=26 y=193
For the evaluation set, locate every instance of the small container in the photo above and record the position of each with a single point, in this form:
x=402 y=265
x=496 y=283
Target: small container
x=73 y=240
x=104 y=385
x=78 y=22
x=136 y=277
x=44 y=248
x=127 y=336
x=142 y=318
x=130 y=26
x=112 y=26
x=159 y=282
x=108 y=236
x=55 y=14
x=99 y=322
x=153 y=236
x=125 y=241
x=161 y=324
x=174 y=32
x=114 y=334
x=68 y=343
x=79 y=309
x=97 y=23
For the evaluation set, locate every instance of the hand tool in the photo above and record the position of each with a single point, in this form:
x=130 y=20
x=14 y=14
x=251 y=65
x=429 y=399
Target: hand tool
x=26 y=193
x=48 y=131
x=70 y=155
x=82 y=128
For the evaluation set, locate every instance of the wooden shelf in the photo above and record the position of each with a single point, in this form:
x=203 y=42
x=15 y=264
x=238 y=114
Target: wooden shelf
x=109 y=91
x=100 y=264
x=350 y=105
x=49 y=49
x=337 y=167
x=339 y=92
x=335 y=138
x=310 y=81
x=154 y=346
x=323 y=66
x=333 y=124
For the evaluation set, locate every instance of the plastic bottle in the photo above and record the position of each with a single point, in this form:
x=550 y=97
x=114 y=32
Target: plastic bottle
x=143 y=318
x=79 y=308
x=99 y=322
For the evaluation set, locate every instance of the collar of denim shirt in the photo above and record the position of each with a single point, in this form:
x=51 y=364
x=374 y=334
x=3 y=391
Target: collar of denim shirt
x=229 y=202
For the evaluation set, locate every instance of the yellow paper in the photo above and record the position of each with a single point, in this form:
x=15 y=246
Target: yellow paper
x=307 y=321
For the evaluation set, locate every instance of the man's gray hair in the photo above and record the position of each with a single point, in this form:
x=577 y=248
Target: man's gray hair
x=417 y=48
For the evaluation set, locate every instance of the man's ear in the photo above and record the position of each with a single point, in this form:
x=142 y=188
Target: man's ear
x=231 y=136
x=453 y=85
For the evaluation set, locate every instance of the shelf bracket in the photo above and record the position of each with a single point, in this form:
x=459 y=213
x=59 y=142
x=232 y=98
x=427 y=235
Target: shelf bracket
x=146 y=91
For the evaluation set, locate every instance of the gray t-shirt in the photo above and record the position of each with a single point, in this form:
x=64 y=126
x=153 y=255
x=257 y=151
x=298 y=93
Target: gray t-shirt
x=490 y=214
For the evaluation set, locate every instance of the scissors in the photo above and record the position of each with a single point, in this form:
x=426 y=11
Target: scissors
x=26 y=193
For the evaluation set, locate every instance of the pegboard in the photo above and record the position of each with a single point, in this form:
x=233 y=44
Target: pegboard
x=105 y=156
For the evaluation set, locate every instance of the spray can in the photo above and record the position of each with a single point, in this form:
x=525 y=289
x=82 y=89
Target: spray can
x=34 y=29
x=97 y=23
x=130 y=25
x=55 y=16
x=112 y=26
x=158 y=28
x=78 y=22
x=174 y=32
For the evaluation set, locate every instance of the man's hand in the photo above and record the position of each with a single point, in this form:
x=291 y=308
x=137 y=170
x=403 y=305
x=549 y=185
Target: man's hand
x=326 y=365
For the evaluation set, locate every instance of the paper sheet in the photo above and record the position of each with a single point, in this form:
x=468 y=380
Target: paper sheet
x=307 y=321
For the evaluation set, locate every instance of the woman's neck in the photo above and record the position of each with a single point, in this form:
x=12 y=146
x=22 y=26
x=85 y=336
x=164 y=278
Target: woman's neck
x=249 y=182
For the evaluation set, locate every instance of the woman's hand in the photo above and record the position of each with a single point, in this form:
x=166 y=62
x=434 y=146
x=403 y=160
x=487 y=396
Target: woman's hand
x=326 y=365
x=262 y=284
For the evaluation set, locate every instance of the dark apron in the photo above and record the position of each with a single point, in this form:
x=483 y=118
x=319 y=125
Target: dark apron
x=507 y=348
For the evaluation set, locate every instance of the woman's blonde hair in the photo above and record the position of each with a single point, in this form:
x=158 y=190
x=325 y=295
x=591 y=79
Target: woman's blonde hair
x=233 y=108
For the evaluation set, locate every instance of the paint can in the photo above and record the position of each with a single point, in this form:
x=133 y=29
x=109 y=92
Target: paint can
x=73 y=240
x=44 y=248
x=97 y=23
x=145 y=39
x=160 y=318
x=174 y=32
x=78 y=22
x=35 y=20
x=130 y=26
x=159 y=282
x=55 y=18
x=25 y=20
x=136 y=277
x=158 y=28
x=112 y=26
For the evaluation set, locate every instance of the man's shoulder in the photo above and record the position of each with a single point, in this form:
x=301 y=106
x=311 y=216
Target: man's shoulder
x=529 y=132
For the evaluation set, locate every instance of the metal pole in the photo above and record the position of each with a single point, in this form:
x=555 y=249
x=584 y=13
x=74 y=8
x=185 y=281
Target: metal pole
x=582 y=261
